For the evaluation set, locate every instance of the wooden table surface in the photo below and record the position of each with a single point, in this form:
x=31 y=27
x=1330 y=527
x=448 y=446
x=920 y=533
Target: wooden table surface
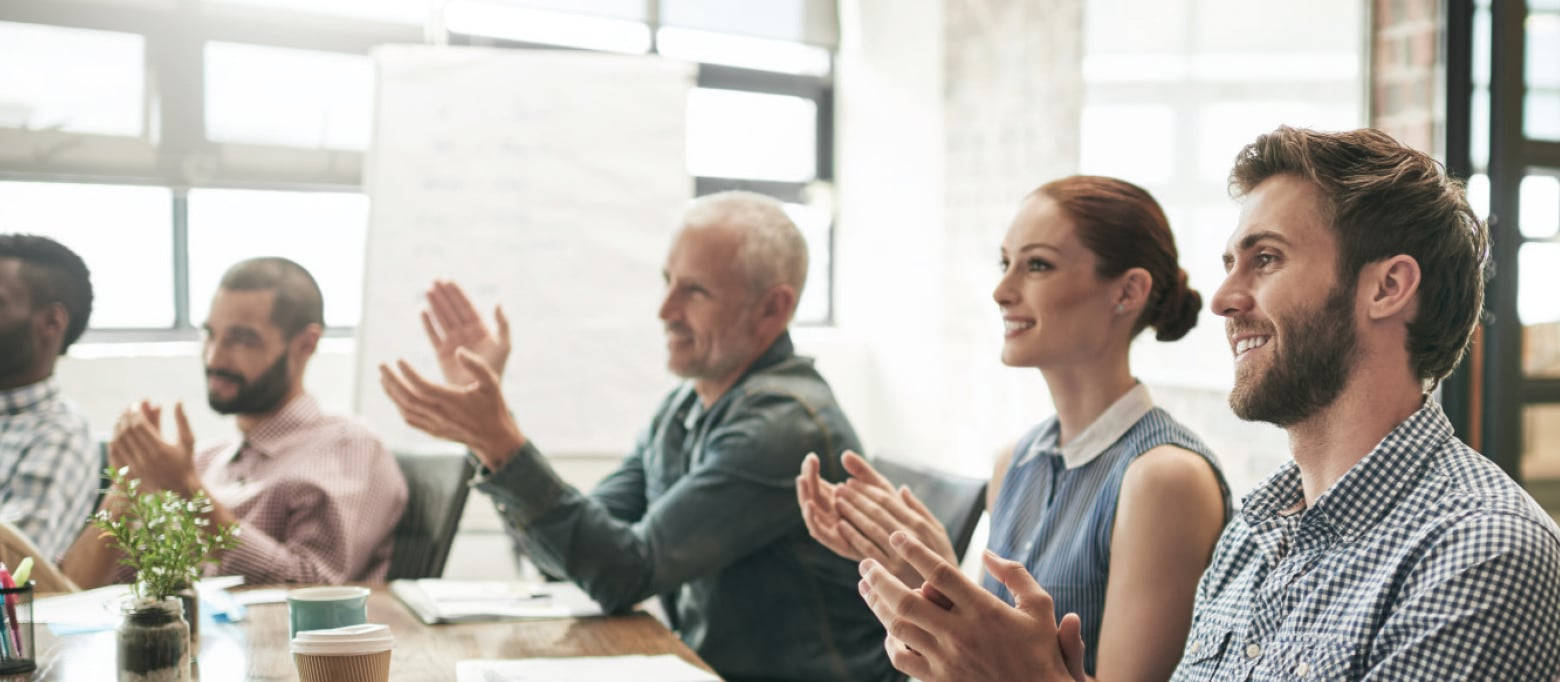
x=257 y=649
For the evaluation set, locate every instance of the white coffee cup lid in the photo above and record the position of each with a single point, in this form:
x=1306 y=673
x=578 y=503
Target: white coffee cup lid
x=327 y=593
x=344 y=641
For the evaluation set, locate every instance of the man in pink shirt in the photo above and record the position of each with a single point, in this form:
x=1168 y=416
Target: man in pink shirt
x=316 y=496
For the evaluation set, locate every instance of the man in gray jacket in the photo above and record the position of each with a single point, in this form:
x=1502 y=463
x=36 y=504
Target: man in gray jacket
x=702 y=512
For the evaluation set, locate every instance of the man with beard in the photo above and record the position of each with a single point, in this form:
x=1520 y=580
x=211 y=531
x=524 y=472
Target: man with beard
x=316 y=496
x=1387 y=549
x=702 y=512
x=48 y=462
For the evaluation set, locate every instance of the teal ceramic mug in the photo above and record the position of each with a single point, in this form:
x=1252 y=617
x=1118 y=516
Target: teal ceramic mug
x=319 y=608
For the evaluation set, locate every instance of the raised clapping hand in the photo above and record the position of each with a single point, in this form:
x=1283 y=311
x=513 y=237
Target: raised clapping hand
x=856 y=518
x=452 y=323
x=951 y=629
x=473 y=414
x=161 y=465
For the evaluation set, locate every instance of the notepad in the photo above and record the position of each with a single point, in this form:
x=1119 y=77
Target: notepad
x=663 y=668
x=435 y=600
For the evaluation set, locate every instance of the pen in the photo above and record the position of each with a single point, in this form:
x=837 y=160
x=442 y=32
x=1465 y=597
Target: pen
x=10 y=607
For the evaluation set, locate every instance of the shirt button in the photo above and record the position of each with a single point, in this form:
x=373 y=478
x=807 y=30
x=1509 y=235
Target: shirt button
x=1195 y=646
x=1253 y=651
x=1302 y=669
x=503 y=508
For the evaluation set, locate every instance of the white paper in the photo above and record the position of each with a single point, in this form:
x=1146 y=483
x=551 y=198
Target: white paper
x=99 y=609
x=548 y=182
x=663 y=668
x=103 y=608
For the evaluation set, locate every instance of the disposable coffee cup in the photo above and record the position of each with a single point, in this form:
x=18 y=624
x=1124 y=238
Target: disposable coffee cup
x=355 y=653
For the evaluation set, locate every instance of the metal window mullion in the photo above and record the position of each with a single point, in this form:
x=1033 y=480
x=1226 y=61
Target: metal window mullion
x=181 y=260
x=1458 y=390
x=1502 y=409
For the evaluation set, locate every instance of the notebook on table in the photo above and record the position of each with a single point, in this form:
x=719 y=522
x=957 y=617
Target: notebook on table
x=435 y=600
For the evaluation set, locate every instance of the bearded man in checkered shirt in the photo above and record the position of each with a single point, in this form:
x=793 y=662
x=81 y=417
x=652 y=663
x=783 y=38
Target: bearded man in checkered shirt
x=1387 y=549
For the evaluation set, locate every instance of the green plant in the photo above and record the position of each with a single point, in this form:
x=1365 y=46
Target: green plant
x=164 y=537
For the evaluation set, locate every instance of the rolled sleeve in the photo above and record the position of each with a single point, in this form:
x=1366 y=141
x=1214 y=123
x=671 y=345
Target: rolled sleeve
x=734 y=500
x=526 y=486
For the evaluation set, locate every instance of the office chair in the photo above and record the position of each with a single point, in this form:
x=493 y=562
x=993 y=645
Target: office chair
x=956 y=501
x=47 y=577
x=436 y=497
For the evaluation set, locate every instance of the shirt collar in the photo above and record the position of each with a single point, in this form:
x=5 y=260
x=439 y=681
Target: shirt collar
x=28 y=398
x=1102 y=433
x=269 y=436
x=1367 y=491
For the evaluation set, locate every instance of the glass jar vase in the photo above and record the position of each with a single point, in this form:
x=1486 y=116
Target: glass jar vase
x=154 y=643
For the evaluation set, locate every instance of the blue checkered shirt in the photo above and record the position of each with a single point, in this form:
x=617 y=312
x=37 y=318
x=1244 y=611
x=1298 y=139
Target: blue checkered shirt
x=49 y=465
x=1424 y=562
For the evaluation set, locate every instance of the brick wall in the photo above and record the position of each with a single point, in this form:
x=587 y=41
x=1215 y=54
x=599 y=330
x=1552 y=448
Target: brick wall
x=1406 y=98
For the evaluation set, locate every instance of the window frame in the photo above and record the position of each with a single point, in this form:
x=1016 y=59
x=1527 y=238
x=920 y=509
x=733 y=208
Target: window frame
x=177 y=154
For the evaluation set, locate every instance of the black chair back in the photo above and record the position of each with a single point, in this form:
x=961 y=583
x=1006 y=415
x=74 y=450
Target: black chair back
x=955 y=500
x=436 y=488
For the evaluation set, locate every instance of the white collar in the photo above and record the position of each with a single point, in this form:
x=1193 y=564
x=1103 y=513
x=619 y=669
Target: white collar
x=1105 y=430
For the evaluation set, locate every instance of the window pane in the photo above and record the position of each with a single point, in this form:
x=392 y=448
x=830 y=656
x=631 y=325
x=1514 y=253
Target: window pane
x=1543 y=50
x=816 y=226
x=292 y=98
x=803 y=21
x=1541 y=443
x=1541 y=114
x=734 y=134
x=71 y=79
x=622 y=9
x=124 y=233
x=1479 y=195
x=1541 y=350
x=395 y=11
x=322 y=231
x=1539 y=198
x=1128 y=141
x=749 y=53
x=1538 y=268
x=497 y=19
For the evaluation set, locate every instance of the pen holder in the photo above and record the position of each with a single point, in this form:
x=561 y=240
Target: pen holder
x=16 y=621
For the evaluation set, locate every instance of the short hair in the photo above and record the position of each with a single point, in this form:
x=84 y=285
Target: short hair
x=1125 y=228
x=773 y=250
x=298 y=301
x=54 y=274
x=1384 y=199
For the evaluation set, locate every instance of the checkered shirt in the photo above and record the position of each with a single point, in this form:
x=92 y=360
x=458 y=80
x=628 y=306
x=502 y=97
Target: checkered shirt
x=1424 y=562
x=316 y=495
x=49 y=465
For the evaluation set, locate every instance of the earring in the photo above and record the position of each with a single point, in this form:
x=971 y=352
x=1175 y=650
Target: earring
x=1121 y=308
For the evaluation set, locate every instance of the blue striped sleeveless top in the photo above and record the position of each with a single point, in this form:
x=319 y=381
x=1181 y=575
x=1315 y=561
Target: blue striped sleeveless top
x=1057 y=505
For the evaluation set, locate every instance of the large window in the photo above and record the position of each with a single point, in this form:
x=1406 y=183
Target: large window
x=165 y=141
x=1503 y=112
x=1173 y=89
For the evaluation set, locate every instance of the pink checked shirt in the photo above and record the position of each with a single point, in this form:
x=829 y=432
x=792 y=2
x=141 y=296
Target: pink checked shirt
x=316 y=495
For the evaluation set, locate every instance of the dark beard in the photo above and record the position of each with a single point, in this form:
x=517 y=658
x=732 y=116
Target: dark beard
x=17 y=348
x=1310 y=370
x=262 y=395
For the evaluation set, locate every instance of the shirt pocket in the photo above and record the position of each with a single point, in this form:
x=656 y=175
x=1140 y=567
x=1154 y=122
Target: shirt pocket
x=1204 y=651
x=1304 y=660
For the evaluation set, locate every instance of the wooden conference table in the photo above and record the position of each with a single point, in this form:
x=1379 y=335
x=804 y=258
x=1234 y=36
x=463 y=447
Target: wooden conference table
x=256 y=649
